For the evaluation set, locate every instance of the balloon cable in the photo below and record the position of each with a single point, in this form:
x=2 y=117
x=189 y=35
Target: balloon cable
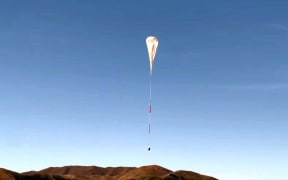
x=150 y=104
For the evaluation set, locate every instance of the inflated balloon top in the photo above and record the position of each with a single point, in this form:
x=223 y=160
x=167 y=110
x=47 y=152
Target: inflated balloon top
x=152 y=44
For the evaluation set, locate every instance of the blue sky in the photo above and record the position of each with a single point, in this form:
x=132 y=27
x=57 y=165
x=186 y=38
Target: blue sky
x=75 y=85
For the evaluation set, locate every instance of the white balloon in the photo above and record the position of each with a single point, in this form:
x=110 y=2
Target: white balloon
x=152 y=44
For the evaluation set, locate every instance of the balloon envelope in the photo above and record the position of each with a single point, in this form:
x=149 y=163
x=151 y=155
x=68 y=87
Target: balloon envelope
x=152 y=44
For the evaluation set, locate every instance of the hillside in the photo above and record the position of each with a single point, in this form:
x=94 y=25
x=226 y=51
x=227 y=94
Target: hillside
x=152 y=172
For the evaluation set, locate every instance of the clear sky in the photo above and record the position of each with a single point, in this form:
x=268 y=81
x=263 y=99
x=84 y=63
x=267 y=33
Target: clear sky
x=74 y=85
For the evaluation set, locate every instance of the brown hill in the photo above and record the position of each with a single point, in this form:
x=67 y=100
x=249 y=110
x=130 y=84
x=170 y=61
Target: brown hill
x=152 y=172
x=6 y=174
x=10 y=175
x=187 y=175
x=145 y=172
x=87 y=170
